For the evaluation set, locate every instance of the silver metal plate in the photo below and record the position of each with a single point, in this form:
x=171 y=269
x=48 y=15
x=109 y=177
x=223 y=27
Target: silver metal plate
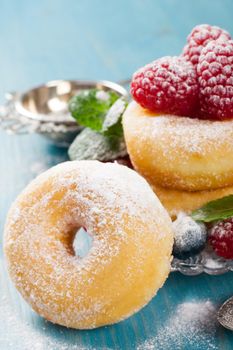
x=48 y=102
x=44 y=109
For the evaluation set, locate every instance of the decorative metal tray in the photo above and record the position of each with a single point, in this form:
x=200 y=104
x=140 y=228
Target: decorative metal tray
x=207 y=261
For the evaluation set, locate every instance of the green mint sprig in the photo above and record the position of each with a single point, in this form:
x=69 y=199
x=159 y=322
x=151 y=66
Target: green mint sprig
x=219 y=209
x=92 y=145
x=112 y=122
x=90 y=107
x=101 y=113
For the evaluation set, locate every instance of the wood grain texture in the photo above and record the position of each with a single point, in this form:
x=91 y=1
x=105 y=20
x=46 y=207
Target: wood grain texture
x=43 y=40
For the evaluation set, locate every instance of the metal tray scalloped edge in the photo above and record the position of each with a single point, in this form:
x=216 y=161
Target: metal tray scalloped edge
x=207 y=261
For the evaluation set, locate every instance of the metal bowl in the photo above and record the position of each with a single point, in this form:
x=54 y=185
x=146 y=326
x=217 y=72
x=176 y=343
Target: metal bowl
x=44 y=109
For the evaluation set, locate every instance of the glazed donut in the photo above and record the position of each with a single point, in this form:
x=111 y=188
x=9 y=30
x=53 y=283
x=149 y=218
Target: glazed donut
x=179 y=152
x=127 y=263
x=185 y=201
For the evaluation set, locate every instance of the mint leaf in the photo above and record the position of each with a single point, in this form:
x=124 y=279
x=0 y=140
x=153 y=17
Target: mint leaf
x=112 y=122
x=90 y=107
x=90 y=144
x=101 y=112
x=219 y=209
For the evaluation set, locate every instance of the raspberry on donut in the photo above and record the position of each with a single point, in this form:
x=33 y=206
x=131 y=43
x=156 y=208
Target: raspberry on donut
x=167 y=85
x=199 y=37
x=215 y=77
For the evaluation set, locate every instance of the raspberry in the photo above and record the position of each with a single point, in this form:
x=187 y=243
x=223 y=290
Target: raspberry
x=200 y=36
x=215 y=78
x=167 y=85
x=221 y=238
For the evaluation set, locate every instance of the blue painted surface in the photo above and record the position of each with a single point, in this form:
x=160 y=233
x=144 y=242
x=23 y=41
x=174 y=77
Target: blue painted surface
x=43 y=40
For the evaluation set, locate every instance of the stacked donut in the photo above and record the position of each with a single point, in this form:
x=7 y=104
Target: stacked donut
x=179 y=129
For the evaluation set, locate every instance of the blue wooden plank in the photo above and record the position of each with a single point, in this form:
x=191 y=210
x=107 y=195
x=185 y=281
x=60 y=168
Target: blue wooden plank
x=44 y=40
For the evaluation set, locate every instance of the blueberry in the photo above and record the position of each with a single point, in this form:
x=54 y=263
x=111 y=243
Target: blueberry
x=189 y=237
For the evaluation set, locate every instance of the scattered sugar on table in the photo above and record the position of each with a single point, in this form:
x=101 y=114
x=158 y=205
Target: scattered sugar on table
x=193 y=323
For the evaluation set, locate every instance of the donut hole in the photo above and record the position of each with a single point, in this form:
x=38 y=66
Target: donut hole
x=82 y=243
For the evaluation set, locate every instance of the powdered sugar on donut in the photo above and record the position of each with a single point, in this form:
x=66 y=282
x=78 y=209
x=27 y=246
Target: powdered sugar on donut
x=192 y=135
x=126 y=221
x=186 y=153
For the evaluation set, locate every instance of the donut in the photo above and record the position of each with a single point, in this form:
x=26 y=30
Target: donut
x=185 y=201
x=179 y=152
x=129 y=259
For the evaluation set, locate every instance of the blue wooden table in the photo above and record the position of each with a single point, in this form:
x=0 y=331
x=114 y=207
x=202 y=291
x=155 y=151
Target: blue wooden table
x=44 y=40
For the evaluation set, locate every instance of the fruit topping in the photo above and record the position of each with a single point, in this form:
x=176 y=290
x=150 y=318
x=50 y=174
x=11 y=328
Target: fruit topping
x=189 y=237
x=199 y=37
x=167 y=85
x=202 y=87
x=221 y=238
x=215 y=78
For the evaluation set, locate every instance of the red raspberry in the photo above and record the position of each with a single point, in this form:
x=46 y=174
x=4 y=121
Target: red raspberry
x=199 y=37
x=215 y=77
x=221 y=238
x=167 y=85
